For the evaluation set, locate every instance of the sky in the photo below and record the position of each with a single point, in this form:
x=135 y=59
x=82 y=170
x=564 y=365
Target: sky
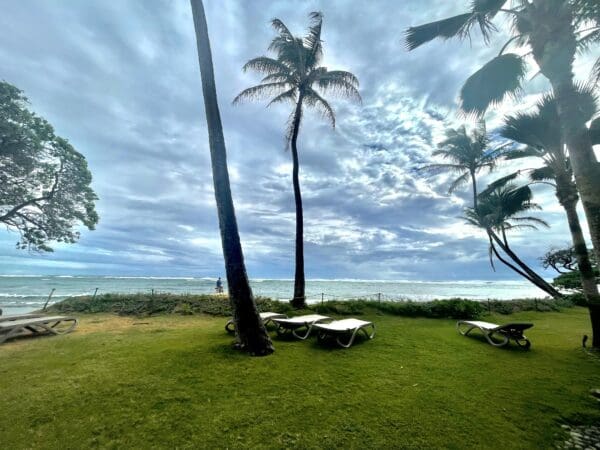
x=120 y=80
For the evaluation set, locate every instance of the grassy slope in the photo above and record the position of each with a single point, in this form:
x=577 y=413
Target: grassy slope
x=174 y=382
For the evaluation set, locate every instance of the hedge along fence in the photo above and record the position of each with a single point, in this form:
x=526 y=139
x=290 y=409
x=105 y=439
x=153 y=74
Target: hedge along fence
x=145 y=304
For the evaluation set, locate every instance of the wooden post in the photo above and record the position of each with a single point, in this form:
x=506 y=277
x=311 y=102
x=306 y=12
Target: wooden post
x=152 y=294
x=322 y=295
x=489 y=306
x=95 y=292
x=49 y=297
x=379 y=297
x=535 y=300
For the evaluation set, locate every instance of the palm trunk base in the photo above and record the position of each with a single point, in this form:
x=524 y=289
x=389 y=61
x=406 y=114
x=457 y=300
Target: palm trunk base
x=298 y=302
x=595 y=319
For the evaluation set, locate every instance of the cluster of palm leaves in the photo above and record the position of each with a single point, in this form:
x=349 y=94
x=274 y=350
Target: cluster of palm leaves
x=552 y=32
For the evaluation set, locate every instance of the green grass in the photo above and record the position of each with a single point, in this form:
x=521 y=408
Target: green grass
x=175 y=382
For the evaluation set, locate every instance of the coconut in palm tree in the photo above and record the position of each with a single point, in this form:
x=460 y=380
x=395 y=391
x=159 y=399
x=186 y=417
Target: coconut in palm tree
x=295 y=76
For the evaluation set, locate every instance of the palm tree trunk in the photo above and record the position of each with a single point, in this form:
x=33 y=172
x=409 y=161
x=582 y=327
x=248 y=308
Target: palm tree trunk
x=567 y=196
x=532 y=276
x=583 y=160
x=474 y=182
x=299 y=300
x=508 y=264
x=251 y=333
x=554 y=43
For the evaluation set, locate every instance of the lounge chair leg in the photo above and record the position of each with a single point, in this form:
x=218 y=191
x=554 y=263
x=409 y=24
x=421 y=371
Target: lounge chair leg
x=502 y=343
x=305 y=335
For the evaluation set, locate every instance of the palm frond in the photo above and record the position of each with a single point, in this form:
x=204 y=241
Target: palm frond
x=586 y=10
x=279 y=77
x=499 y=183
x=260 y=91
x=490 y=85
x=289 y=96
x=266 y=65
x=439 y=168
x=525 y=152
x=463 y=179
x=282 y=29
x=312 y=41
x=444 y=29
x=595 y=74
x=337 y=83
x=316 y=101
x=543 y=173
x=530 y=219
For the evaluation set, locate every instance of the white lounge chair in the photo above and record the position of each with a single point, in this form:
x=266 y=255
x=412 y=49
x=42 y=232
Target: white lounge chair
x=266 y=317
x=345 y=327
x=38 y=325
x=293 y=324
x=497 y=335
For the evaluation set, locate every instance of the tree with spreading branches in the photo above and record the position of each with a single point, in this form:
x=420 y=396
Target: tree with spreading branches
x=553 y=32
x=45 y=184
x=295 y=76
x=250 y=331
x=539 y=132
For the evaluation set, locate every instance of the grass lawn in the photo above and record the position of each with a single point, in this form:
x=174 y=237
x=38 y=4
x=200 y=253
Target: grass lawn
x=173 y=381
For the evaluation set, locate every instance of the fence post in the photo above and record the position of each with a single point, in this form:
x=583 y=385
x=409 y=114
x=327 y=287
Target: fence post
x=489 y=306
x=49 y=297
x=535 y=300
x=379 y=297
x=322 y=295
x=95 y=292
x=152 y=294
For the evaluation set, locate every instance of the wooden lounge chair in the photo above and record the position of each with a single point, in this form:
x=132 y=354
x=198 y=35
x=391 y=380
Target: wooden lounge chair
x=265 y=316
x=497 y=335
x=35 y=326
x=293 y=324
x=19 y=316
x=345 y=327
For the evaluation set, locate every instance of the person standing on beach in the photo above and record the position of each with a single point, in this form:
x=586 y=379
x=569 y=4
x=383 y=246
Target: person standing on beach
x=219 y=286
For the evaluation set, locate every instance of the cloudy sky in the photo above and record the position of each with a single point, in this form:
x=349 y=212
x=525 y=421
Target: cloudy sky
x=120 y=80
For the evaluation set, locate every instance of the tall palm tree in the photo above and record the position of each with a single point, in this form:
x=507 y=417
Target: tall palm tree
x=251 y=333
x=540 y=133
x=294 y=76
x=554 y=31
x=501 y=208
x=467 y=155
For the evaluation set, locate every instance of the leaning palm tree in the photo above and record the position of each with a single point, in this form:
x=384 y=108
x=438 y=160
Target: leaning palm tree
x=501 y=209
x=540 y=133
x=555 y=31
x=294 y=76
x=467 y=155
x=251 y=334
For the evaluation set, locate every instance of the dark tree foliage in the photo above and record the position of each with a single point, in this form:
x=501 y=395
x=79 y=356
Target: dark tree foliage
x=45 y=190
x=563 y=260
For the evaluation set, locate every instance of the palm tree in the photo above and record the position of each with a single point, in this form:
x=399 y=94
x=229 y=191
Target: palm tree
x=251 y=333
x=540 y=133
x=295 y=76
x=554 y=31
x=500 y=209
x=467 y=154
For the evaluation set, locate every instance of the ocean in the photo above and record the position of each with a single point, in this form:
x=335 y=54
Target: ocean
x=20 y=294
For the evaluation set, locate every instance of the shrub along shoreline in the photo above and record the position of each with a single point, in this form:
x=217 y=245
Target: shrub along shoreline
x=164 y=303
